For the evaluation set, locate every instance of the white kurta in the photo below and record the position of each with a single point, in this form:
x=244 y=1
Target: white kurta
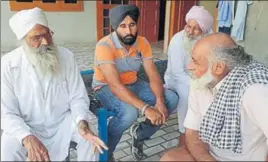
x=254 y=127
x=47 y=108
x=176 y=77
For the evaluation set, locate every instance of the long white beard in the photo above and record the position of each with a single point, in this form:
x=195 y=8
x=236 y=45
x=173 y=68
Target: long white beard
x=205 y=81
x=43 y=58
x=189 y=42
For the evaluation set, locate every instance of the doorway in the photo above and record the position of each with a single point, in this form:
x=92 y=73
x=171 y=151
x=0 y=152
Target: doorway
x=162 y=15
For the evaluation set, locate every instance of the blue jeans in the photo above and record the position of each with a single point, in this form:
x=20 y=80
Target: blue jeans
x=127 y=114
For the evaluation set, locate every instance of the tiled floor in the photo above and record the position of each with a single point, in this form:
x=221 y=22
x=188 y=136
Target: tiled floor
x=163 y=139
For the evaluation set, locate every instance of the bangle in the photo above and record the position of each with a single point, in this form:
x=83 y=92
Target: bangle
x=144 y=108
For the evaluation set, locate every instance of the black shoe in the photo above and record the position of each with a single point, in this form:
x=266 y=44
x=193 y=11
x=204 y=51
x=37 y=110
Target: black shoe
x=136 y=146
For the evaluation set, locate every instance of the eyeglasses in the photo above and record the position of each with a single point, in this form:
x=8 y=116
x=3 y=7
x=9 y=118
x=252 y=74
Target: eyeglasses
x=39 y=38
x=189 y=28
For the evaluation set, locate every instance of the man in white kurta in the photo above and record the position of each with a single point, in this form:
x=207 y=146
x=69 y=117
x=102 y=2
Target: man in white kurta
x=44 y=102
x=198 y=23
x=227 y=114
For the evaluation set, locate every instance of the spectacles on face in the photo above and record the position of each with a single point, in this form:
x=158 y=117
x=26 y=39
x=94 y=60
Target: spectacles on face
x=189 y=28
x=39 y=38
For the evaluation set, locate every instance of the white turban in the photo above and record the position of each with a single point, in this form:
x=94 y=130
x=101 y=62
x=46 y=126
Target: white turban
x=202 y=16
x=24 y=21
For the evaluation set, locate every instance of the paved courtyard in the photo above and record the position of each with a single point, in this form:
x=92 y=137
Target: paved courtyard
x=160 y=142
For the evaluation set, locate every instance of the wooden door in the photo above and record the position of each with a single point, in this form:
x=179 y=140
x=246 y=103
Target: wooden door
x=148 y=23
x=149 y=19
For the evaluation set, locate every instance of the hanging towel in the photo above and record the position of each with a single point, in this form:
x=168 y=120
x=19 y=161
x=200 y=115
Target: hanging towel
x=225 y=9
x=240 y=20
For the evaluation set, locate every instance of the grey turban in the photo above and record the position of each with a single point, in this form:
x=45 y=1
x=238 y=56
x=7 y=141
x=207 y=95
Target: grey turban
x=118 y=14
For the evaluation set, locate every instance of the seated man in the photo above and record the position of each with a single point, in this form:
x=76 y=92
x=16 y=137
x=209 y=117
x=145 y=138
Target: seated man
x=227 y=115
x=118 y=58
x=44 y=102
x=198 y=23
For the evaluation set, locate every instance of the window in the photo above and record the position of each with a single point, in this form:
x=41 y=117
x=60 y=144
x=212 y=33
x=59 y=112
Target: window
x=103 y=22
x=47 y=5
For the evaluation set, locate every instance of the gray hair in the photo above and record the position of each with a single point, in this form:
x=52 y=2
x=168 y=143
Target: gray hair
x=231 y=56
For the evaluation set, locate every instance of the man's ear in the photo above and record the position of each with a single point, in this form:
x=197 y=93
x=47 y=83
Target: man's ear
x=219 y=68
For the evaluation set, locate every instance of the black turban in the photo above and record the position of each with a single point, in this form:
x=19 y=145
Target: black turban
x=118 y=14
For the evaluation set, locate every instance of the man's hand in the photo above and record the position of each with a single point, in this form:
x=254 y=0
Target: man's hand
x=161 y=107
x=84 y=131
x=35 y=149
x=154 y=116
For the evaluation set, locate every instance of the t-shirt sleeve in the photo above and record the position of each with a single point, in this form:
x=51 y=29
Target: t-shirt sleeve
x=146 y=50
x=104 y=54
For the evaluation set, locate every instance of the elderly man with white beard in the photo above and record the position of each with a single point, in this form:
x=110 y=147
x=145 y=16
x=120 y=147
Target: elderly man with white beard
x=44 y=102
x=198 y=24
x=227 y=114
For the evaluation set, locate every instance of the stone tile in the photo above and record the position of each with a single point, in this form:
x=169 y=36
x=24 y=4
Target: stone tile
x=154 y=150
x=127 y=158
x=122 y=146
x=175 y=127
x=162 y=153
x=171 y=135
x=119 y=154
x=172 y=121
x=154 y=141
x=170 y=144
x=160 y=132
x=152 y=158
x=125 y=137
x=170 y=128
x=127 y=151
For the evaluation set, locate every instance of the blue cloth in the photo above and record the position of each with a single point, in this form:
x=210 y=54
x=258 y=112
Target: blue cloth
x=126 y=115
x=225 y=13
x=240 y=20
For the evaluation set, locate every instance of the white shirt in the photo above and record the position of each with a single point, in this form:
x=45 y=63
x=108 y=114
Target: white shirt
x=254 y=119
x=46 y=108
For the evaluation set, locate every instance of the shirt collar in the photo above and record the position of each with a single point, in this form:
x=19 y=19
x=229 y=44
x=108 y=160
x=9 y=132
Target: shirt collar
x=218 y=85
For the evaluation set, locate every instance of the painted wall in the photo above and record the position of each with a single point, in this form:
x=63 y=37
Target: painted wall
x=69 y=27
x=256 y=39
x=209 y=5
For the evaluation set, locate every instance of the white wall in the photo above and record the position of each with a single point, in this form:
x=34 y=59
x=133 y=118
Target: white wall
x=256 y=39
x=69 y=27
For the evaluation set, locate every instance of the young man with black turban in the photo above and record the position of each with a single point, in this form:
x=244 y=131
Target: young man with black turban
x=118 y=58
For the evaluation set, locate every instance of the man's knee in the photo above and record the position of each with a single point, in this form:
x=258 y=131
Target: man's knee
x=177 y=154
x=172 y=100
x=11 y=149
x=128 y=115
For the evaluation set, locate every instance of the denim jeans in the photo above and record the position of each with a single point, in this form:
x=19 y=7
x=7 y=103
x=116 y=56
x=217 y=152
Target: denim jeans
x=127 y=114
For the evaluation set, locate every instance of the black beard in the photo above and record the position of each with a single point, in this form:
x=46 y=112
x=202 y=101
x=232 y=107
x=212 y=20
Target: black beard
x=128 y=39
